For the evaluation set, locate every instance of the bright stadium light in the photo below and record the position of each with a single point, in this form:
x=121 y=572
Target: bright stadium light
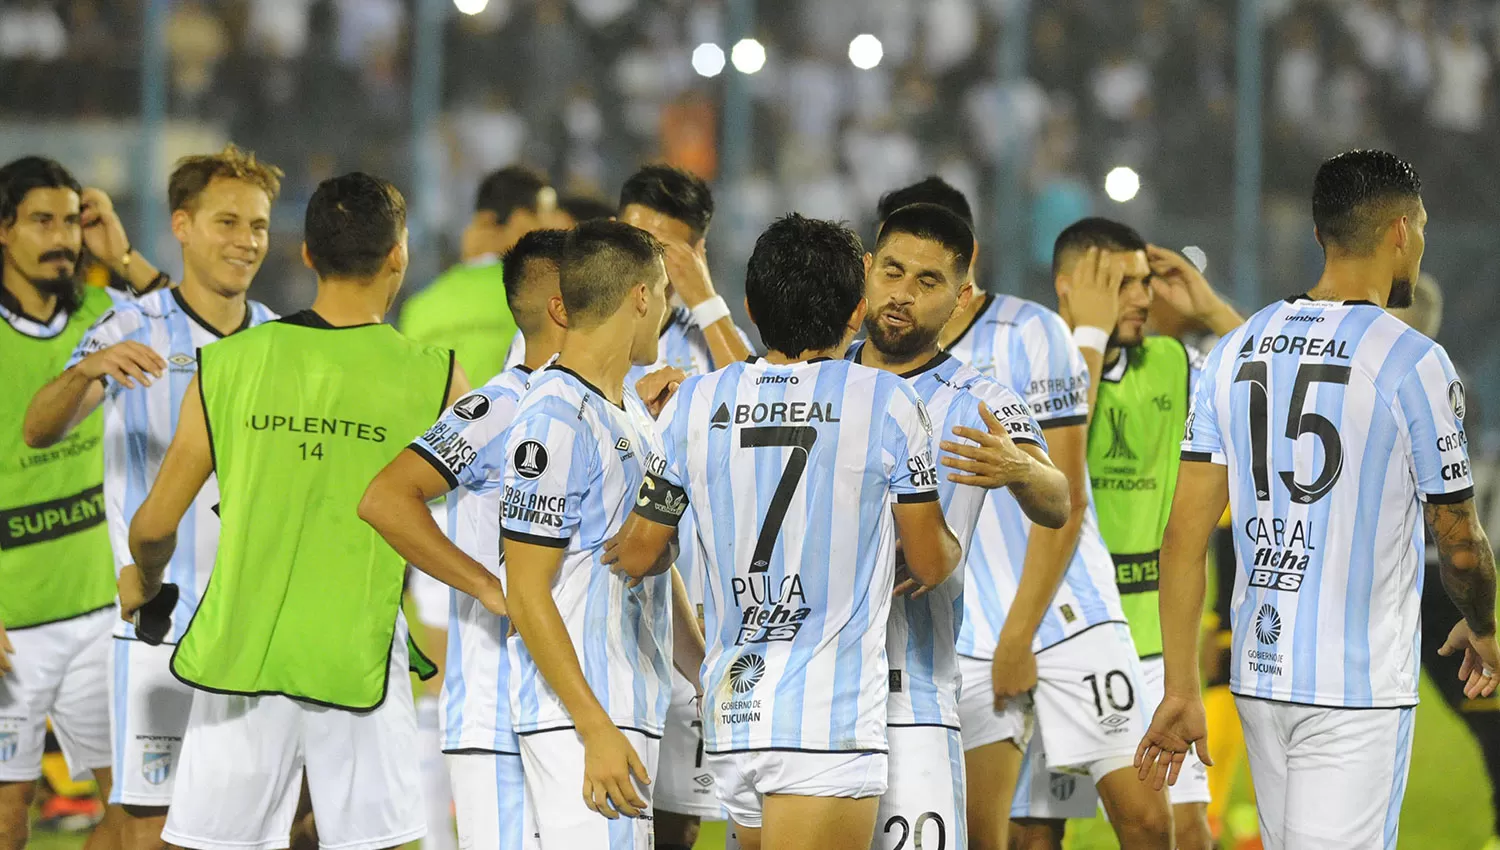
x=748 y=56
x=1122 y=184
x=865 y=51
x=708 y=59
x=471 y=7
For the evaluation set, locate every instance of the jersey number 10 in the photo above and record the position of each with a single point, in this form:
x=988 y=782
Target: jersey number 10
x=1297 y=423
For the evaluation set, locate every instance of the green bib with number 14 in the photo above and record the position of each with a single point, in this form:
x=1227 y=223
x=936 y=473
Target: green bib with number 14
x=304 y=594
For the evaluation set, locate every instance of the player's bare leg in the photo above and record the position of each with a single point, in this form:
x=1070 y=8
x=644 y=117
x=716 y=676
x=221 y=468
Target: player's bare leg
x=815 y=823
x=142 y=826
x=992 y=772
x=1141 y=817
x=675 y=831
x=304 y=828
x=15 y=807
x=109 y=833
x=1037 y=834
x=1190 y=826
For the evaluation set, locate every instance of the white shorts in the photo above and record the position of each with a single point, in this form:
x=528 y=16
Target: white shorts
x=1089 y=715
x=683 y=784
x=982 y=725
x=1327 y=778
x=489 y=800
x=60 y=672
x=1192 y=782
x=553 y=765
x=149 y=716
x=744 y=779
x=924 y=803
x=243 y=759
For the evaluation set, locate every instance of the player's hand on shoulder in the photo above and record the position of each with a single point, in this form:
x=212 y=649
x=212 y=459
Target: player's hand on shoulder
x=1092 y=290
x=1013 y=671
x=657 y=388
x=6 y=651
x=1480 y=670
x=135 y=591
x=1179 y=723
x=610 y=768
x=127 y=362
x=989 y=458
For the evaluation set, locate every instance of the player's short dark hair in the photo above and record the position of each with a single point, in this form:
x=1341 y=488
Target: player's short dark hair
x=803 y=282
x=538 y=246
x=514 y=187
x=672 y=192
x=193 y=174
x=602 y=262
x=935 y=224
x=1102 y=233
x=352 y=223
x=583 y=208
x=19 y=177
x=932 y=190
x=1356 y=194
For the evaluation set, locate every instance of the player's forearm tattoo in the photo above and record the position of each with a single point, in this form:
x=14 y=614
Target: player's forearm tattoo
x=1468 y=562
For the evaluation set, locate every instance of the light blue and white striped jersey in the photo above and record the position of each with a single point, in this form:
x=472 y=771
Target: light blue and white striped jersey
x=138 y=427
x=1028 y=348
x=1334 y=419
x=467 y=445
x=575 y=463
x=682 y=346
x=923 y=633
x=791 y=472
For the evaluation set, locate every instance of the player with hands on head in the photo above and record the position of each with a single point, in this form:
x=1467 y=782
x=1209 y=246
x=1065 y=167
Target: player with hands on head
x=797 y=591
x=1325 y=603
x=915 y=280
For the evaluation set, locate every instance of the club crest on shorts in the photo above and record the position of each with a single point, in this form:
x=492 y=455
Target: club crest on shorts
x=1062 y=786
x=530 y=459
x=10 y=744
x=156 y=766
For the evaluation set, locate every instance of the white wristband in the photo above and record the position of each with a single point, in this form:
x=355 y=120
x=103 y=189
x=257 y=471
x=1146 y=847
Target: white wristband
x=710 y=311
x=1085 y=336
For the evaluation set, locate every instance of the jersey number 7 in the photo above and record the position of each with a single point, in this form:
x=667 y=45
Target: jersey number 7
x=1297 y=423
x=801 y=439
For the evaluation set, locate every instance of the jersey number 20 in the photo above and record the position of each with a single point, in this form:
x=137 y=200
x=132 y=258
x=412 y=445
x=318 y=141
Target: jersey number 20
x=801 y=439
x=1298 y=423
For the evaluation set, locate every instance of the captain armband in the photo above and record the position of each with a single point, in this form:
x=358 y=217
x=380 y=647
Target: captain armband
x=661 y=501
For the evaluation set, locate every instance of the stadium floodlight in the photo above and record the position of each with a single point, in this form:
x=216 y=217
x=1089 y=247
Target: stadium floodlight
x=748 y=56
x=471 y=7
x=708 y=59
x=1121 y=184
x=866 y=51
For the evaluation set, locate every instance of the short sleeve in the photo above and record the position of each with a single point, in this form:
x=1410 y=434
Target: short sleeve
x=467 y=443
x=908 y=447
x=1201 y=438
x=1431 y=398
x=1012 y=412
x=549 y=467
x=1050 y=373
x=113 y=327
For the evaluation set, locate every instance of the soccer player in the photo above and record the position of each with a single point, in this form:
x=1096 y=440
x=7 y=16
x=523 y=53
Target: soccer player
x=589 y=669
x=1041 y=612
x=916 y=279
x=221 y=208
x=837 y=459
x=1135 y=436
x=54 y=546
x=1325 y=423
x=297 y=649
x=465 y=451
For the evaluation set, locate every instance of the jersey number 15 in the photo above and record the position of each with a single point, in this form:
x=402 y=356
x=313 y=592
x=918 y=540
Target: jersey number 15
x=1298 y=423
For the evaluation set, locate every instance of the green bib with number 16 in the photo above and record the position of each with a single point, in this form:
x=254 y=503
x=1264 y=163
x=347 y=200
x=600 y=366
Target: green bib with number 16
x=304 y=594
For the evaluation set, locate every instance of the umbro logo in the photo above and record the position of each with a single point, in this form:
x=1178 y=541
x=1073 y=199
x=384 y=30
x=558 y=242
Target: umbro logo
x=180 y=359
x=705 y=780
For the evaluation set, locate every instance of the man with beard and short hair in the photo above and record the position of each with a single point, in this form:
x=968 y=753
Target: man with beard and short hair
x=55 y=589
x=1325 y=423
x=221 y=214
x=1134 y=440
x=915 y=281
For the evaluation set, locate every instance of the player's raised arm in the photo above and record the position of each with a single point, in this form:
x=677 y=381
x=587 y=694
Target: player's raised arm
x=153 y=532
x=103 y=354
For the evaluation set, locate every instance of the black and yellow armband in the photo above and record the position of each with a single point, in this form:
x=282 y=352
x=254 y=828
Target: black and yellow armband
x=661 y=501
